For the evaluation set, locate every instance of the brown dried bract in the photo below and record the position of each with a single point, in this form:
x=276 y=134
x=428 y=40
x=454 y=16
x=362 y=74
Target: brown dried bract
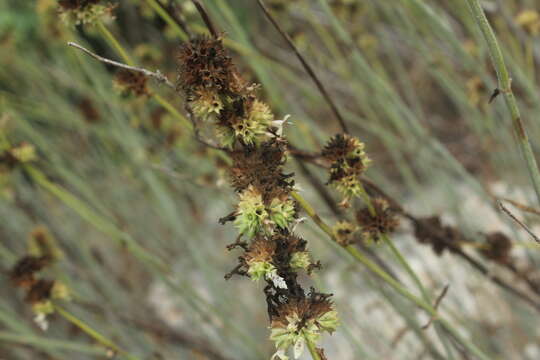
x=133 y=82
x=205 y=63
x=23 y=272
x=40 y=291
x=430 y=230
x=384 y=221
x=498 y=248
x=338 y=147
x=260 y=167
x=306 y=308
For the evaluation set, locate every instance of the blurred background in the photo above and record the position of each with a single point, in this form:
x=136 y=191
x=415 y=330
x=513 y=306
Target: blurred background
x=121 y=184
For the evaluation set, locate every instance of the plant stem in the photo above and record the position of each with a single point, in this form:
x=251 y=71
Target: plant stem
x=505 y=86
x=312 y=349
x=167 y=18
x=93 y=333
x=115 y=44
x=374 y=268
x=127 y=59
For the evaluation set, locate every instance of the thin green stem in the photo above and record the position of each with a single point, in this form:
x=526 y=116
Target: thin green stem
x=168 y=19
x=312 y=349
x=374 y=268
x=93 y=333
x=128 y=60
x=505 y=87
x=115 y=44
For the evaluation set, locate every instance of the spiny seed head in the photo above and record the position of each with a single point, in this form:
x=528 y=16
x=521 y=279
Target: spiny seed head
x=300 y=260
x=252 y=128
x=79 y=12
x=343 y=146
x=131 y=82
x=251 y=214
x=384 y=221
x=204 y=63
x=301 y=319
x=260 y=167
x=344 y=232
x=282 y=211
x=261 y=249
x=205 y=104
x=498 y=247
x=23 y=272
x=348 y=161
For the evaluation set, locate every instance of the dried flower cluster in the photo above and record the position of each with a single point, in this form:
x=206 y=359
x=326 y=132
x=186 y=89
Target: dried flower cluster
x=348 y=161
x=215 y=91
x=83 y=11
x=131 y=82
x=441 y=237
x=376 y=220
x=17 y=155
x=40 y=292
x=498 y=248
x=266 y=213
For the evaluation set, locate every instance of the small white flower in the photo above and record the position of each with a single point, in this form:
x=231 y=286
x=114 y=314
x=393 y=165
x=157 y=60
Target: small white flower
x=278 y=281
x=41 y=321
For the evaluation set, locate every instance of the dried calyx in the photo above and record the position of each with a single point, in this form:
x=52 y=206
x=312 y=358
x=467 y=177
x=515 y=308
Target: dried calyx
x=348 y=161
x=131 y=82
x=379 y=219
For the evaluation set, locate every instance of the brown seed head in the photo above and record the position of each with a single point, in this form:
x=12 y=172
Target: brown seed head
x=40 y=291
x=384 y=221
x=498 y=247
x=431 y=231
x=23 y=272
x=132 y=82
x=204 y=63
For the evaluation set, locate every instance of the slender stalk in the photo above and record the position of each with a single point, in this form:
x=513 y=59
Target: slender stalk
x=131 y=64
x=114 y=43
x=158 y=8
x=157 y=74
x=93 y=333
x=307 y=67
x=312 y=349
x=505 y=87
x=374 y=268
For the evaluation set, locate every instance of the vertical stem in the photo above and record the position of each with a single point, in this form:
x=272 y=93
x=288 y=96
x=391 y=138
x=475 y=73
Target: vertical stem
x=505 y=86
x=128 y=60
x=115 y=44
